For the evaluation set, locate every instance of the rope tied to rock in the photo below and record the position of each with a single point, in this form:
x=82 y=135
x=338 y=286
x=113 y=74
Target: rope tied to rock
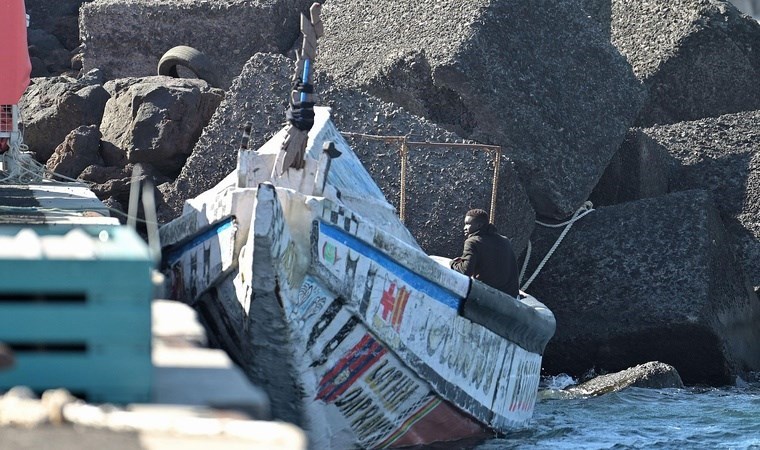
x=586 y=208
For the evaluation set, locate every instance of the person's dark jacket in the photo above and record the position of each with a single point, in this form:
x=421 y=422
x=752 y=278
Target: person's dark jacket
x=488 y=257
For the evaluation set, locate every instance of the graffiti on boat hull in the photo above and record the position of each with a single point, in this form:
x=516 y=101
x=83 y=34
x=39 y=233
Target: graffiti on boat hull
x=418 y=320
x=382 y=400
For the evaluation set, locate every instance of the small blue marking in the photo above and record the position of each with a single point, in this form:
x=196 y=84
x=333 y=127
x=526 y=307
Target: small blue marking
x=174 y=255
x=305 y=77
x=415 y=281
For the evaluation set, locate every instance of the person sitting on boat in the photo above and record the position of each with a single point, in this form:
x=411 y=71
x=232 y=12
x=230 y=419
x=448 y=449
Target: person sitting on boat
x=487 y=255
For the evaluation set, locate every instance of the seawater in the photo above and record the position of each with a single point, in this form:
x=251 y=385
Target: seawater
x=636 y=418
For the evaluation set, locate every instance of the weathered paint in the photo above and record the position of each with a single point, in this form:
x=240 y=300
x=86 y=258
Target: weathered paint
x=93 y=305
x=378 y=397
x=385 y=240
x=519 y=387
x=16 y=66
x=199 y=263
x=52 y=203
x=418 y=320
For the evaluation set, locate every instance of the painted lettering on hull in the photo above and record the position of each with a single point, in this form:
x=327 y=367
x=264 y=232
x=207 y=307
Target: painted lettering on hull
x=382 y=400
x=418 y=319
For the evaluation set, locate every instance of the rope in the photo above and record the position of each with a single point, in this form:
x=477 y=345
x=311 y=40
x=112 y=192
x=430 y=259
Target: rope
x=402 y=191
x=21 y=167
x=586 y=208
x=495 y=184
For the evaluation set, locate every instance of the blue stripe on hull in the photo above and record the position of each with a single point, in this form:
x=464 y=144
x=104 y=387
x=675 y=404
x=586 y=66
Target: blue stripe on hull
x=415 y=281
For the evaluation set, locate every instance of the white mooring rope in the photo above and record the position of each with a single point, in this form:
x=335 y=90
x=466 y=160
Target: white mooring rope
x=582 y=211
x=20 y=165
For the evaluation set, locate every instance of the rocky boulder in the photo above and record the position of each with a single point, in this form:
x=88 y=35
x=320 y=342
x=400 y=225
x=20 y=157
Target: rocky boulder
x=652 y=279
x=155 y=120
x=113 y=184
x=48 y=56
x=59 y=18
x=506 y=73
x=52 y=107
x=640 y=169
x=699 y=58
x=651 y=375
x=80 y=149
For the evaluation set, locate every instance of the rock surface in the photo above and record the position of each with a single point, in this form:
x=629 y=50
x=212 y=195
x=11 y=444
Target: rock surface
x=155 y=120
x=229 y=32
x=58 y=17
x=698 y=58
x=653 y=279
x=652 y=375
x=722 y=155
x=640 y=169
x=80 y=149
x=506 y=73
x=53 y=107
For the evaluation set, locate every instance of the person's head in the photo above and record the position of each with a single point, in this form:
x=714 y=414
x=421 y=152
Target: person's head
x=474 y=220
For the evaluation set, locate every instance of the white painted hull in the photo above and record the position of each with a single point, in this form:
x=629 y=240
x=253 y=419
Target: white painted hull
x=313 y=285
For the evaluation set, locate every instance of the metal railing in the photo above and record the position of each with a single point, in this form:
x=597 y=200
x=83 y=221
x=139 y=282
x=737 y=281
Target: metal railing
x=406 y=144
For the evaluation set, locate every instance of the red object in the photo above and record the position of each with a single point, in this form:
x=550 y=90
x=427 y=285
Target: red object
x=15 y=66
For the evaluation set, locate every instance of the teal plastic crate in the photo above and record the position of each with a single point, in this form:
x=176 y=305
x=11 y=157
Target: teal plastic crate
x=75 y=307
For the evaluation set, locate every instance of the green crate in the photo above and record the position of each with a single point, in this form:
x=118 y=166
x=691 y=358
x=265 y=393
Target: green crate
x=78 y=319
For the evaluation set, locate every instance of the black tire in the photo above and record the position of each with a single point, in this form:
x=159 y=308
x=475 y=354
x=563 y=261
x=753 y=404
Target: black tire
x=193 y=59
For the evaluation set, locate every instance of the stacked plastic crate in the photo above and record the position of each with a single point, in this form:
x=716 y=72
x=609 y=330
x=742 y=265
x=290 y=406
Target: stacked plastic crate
x=75 y=308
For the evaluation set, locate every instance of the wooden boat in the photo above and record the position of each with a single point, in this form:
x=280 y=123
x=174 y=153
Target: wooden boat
x=302 y=271
x=313 y=285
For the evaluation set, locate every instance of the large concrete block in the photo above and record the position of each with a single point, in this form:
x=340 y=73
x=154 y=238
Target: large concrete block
x=442 y=184
x=639 y=169
x=751 y=7
x=722 y=155
x=653 y=279
x=698 y=58
x=58 y=18
x=539 y=78
x=126 y=38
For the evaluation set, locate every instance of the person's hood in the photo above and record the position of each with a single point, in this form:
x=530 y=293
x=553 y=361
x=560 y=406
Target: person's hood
x=488 y=228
